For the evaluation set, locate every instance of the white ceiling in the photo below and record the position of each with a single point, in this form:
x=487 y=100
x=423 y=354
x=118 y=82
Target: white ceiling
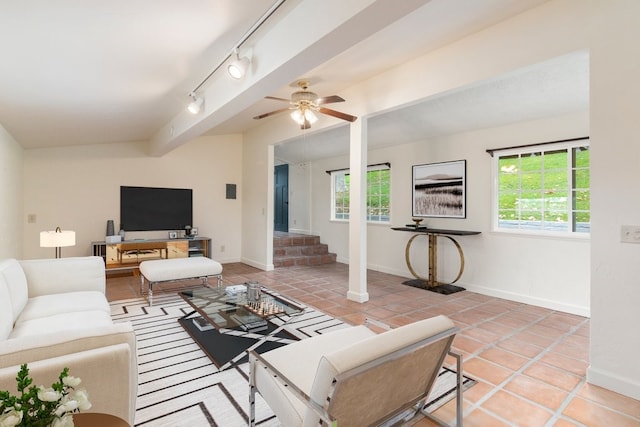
x=89 y=72
x=556 y=87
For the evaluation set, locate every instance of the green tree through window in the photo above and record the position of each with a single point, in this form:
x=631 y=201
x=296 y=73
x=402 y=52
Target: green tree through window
x=544 y=188
x=378 y=194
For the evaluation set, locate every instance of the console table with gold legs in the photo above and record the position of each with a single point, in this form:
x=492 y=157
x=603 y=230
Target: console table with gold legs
x=432 y=234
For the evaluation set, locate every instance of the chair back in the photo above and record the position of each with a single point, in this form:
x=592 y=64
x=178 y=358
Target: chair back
x=380 y=377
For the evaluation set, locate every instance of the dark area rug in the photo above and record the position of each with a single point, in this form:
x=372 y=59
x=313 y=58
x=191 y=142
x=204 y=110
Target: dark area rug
x=441 y=289
x=222 y=348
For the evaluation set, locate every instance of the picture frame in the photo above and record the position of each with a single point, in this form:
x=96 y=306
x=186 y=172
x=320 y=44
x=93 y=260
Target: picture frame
x=173 y=234
x=194 y=231
x=439 y=189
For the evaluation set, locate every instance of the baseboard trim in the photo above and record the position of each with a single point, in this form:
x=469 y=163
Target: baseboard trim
x=526 y=299
x=613 y=382
x=256 y=264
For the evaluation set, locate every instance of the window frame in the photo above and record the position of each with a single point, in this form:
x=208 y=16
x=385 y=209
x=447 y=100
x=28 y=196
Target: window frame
x=572 y=211
x=345 y=172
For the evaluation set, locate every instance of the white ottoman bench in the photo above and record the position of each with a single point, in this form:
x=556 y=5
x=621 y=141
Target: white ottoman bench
x=169 y=270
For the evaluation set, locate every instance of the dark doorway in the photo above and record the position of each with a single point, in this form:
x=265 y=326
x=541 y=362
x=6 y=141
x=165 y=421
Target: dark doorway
x=281 y=196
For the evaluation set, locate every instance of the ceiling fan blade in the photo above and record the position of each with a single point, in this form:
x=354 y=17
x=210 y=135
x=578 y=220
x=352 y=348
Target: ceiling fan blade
x=338 y=114
x=329 y=100
x=277 y=99
x=262 y=116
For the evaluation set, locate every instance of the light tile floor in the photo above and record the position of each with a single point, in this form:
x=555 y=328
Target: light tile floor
x=529 y=362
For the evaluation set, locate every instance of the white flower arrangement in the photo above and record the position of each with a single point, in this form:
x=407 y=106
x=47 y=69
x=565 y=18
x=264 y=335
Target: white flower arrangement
x=40 y=406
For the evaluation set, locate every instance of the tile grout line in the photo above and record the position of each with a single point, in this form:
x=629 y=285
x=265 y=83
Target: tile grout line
x=520 y=371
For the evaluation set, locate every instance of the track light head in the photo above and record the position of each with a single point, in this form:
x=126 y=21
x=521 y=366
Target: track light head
x=238 y=67
x=196 y=105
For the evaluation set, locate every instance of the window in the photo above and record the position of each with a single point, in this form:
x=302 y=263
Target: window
x=543 y=188
x=378 y=193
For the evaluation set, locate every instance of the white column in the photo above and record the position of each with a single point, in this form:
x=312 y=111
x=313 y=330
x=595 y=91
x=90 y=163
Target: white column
x=358 y=212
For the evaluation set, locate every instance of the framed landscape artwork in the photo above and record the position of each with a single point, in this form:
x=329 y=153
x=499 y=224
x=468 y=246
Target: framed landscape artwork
x=439 y=189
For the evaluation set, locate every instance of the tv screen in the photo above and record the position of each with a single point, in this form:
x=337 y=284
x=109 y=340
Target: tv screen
x=151 y=209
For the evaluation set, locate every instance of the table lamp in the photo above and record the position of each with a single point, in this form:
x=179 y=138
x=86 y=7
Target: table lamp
x=57 y=239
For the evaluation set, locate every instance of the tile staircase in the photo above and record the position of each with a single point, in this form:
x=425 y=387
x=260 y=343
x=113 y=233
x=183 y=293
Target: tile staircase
x=291 y=249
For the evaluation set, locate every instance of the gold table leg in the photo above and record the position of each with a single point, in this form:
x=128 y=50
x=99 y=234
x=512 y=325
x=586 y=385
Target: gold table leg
x=432 y=280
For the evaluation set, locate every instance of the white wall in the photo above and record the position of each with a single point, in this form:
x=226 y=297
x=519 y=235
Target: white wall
x=11 y=176
x=299 y=203
x=78 y=188
x=615 y=170
x=550 y=272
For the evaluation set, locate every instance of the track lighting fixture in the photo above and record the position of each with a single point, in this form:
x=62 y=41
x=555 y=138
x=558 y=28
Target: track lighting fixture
x=239 y=66
x=195 y=106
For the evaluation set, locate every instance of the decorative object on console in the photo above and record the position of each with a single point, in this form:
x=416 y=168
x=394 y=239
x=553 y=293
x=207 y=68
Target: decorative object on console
x=439 y=190
x=173 y=234
x=187 y=232
x=416 y=223
x=57 y=239
x=113 y=239
x=194 y=231
x=121 y=233
x=111 y=231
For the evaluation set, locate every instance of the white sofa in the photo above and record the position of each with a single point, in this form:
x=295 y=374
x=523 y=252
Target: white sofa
x=54 y=314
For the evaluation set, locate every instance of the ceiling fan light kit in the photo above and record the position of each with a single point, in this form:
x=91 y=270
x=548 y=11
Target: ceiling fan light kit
x=305 y=103
x=304 y=115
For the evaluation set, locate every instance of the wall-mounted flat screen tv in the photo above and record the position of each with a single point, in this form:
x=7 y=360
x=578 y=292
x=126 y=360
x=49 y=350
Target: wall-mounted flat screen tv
x=152 y=209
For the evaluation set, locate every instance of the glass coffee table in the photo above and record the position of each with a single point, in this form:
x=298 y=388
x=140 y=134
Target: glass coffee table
x=226 y=323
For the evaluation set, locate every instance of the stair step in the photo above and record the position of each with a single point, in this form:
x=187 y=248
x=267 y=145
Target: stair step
x=304 y=260
x=296 y=240
x=289 y=251
x=300 y=249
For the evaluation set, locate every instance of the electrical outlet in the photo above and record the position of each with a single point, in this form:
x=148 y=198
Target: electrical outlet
x=31 y=218
x=222 y=248
x=630 y=234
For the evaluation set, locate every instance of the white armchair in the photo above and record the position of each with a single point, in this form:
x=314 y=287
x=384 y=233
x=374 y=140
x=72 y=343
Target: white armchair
x=353 y=376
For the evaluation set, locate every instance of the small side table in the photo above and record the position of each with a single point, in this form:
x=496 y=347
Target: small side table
x=93 y=419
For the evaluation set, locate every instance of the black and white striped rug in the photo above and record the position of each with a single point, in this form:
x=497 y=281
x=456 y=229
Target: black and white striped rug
x=179 y=386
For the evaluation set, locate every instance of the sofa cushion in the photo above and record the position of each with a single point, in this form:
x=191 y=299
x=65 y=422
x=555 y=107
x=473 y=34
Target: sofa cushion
x=16 y=284
x=6 y=310
x=61 y=275
x=61 y=323
x=50 y=305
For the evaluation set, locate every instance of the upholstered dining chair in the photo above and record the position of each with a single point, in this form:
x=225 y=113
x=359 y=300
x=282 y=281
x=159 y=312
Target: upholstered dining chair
x=354 y=376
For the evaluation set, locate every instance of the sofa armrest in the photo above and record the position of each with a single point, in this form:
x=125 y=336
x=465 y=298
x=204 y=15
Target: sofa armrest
x=108 y=354
x=54 y=276
x=104 y=372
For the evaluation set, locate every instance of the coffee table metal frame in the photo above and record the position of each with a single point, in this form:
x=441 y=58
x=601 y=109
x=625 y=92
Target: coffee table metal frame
x=229 y=312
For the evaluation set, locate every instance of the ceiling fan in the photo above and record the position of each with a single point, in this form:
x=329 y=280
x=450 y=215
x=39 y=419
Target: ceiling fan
x=304 y=104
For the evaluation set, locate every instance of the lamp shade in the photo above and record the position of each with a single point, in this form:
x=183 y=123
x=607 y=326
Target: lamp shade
x=57 y=239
